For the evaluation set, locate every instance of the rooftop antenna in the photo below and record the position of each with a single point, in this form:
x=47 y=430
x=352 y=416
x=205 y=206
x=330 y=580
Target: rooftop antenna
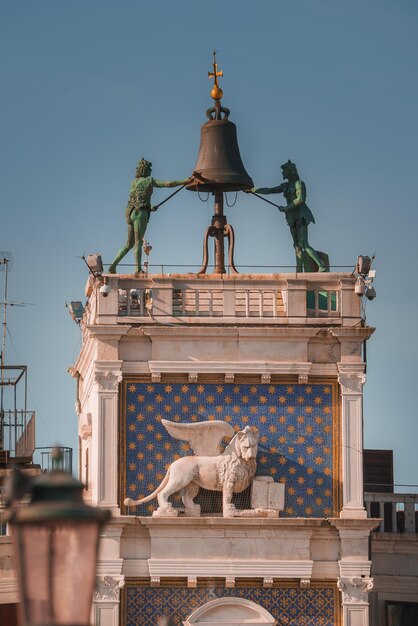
x=6 y=264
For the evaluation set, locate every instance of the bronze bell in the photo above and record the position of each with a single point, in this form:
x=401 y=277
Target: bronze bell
x=219 y=168
x=219 y=164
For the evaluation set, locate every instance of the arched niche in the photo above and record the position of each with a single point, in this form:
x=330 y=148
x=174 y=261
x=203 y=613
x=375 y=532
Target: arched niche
x=233 y=611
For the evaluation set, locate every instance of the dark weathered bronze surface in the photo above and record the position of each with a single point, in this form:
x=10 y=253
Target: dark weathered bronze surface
x=219 y=160
x=219 y=169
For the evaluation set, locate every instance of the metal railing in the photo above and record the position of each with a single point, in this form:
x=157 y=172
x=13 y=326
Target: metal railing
x=399 y=511
x=44 y=456
x=18 y=432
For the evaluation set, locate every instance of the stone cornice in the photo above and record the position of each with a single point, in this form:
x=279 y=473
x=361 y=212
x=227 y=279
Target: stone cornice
x=203 y=523
x=235 y=568
x=346 y=524
x=103 y=331
x=178 y=333
x=237 y=367
x=348 y=333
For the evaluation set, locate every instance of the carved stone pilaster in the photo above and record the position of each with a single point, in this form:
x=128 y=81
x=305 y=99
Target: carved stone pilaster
x=352 y=378
x=108 y=588
x=355 y=590
x=107 y=380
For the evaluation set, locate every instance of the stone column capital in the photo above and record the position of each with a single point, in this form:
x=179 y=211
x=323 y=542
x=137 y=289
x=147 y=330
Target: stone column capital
x=351 y=378
x=108 y=380
x=107 y=588
x=355 y=589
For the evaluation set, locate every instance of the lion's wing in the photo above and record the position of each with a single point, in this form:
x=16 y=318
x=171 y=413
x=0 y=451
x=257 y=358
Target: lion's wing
x=204 y=437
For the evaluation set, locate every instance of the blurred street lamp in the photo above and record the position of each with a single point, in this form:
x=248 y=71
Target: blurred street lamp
x=56 y=540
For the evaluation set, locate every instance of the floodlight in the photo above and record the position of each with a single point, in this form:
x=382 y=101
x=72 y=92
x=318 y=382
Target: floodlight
x=76 y=310
x=363 y=265
x=95 y=264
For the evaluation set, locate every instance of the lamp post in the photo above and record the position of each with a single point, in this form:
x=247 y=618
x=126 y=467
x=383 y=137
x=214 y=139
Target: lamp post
x=56 y=539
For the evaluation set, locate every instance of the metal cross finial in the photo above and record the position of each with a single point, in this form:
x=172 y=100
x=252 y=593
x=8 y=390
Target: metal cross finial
x=215 y=72
x=216 y=92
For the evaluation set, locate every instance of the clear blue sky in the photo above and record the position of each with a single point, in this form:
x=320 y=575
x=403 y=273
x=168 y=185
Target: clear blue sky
x=89 y=87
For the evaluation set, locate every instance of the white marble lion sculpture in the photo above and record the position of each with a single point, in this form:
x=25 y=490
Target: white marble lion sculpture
x=230 y=471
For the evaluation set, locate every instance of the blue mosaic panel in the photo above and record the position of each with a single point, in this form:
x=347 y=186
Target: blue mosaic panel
x=290 y=606
x=296 y=443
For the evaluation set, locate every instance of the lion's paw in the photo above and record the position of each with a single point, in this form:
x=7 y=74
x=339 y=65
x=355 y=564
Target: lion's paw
x=229 y=511
x=192 y=511
x=166 y=511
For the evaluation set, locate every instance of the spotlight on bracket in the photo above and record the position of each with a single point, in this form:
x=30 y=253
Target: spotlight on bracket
x=363 y=265
x=364 y=276
x=95 y=264
x=76 y=310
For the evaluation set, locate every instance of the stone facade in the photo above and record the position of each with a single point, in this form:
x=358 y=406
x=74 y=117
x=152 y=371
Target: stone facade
x=297 y=341
x=230 y=334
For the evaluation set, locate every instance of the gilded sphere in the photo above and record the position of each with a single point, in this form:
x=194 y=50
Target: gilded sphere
x=216 y=92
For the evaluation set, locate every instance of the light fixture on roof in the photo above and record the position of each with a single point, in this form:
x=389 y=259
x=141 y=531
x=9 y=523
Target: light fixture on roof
x=76 y=310
x=363 y=265
x=363 y=287
x=94 y=263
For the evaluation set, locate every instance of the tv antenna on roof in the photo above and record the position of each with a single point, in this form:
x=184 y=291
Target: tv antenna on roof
x=6 y=264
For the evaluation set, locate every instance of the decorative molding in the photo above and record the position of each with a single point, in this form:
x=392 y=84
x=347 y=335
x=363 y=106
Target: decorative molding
x=237 y=568
x=229 y=378
x=305 y=583
x=303 y=379
x=192 y=582
x=77 y=406
x=193 y=376
x=254 y=613
x=229 y=582
x=107 y=380
x=354 y=569
x=266 y=379
x=155 y=581
x=156 y=377
x=86 y=427
x=267 y=583
x=107 y=589
x=354 y=589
